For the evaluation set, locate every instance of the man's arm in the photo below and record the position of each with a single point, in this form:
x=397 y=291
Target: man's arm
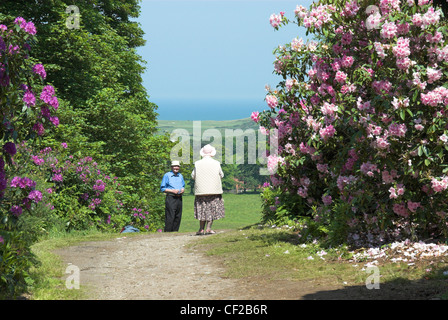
x=163 y=184
x=183 y=184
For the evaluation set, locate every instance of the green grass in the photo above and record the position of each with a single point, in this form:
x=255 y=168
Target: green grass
x=49 y=283
x=275 y=254
x=241 y=210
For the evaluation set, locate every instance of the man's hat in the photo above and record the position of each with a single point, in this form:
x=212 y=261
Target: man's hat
x=175 y=163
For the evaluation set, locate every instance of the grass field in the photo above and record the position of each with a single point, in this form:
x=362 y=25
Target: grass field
x=241 y=210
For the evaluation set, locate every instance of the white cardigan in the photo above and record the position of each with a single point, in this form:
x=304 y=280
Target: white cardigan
x=207 y=174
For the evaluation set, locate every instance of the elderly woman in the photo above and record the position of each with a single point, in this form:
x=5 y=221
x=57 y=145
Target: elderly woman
x=208 y=202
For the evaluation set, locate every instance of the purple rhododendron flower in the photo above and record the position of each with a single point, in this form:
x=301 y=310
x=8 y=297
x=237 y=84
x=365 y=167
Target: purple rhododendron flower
x=10 y=147
x=40 y=70
x=39 y=128
x=57 y=177
x=16 y=211
x=29 y=98
x=30 y=28
x=35 y=195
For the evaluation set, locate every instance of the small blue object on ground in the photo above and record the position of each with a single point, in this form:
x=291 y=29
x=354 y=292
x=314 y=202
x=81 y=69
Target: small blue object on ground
x=129 y=229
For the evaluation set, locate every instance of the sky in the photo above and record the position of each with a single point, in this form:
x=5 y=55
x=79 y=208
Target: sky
x=211 y=59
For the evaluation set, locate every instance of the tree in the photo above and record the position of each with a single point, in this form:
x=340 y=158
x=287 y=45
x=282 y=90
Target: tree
x=97 y=74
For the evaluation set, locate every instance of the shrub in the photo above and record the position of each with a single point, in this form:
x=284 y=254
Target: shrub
x=27 y=107
x=83 y=195
x=361 y=119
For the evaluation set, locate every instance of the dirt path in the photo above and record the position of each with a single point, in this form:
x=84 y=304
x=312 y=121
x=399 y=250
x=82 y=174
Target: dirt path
x=161 y=267
x=154 y=266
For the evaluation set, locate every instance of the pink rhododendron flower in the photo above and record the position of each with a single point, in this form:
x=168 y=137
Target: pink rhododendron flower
x=255 y=116
x=328 y=109
x=439 y=185
x=275 y=20
x=413 y=206
x=431 y=17
x=300 y=11
x=368 y=168
x=398 y=130
x=347 y=61
x=401 y=50
x=400 y=209
x=327 y=200
x=303 y=192
x=433 y=74
x=382 y=143
x=388 y=177
x=373 y=21
x=30 y=28
x=272 y=101
x=341 y=77
x=417 y=19
x=273 y=162
x=388 y=30
x=327 y=132
x=37 y=160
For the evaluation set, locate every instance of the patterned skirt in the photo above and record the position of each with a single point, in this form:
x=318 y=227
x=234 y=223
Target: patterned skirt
x=208 y=208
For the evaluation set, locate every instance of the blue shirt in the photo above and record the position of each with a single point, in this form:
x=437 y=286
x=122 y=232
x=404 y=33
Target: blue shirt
x=172 y=181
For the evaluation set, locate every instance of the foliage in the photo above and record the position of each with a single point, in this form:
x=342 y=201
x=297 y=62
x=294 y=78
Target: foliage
x=83 y=194
x=104 y=114
x=98 y=76
x=361 y=120
x=27 y=107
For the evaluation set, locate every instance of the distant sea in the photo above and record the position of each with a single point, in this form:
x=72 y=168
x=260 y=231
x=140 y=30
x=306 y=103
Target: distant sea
x=207 y=109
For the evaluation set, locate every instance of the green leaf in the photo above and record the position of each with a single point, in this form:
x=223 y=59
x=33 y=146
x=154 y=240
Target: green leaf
x=402 y=114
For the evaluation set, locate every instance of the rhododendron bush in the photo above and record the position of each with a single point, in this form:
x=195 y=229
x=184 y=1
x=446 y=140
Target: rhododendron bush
x=361 y=120
x=27 y=107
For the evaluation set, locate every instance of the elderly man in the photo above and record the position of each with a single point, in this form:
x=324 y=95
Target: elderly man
x=173 y=185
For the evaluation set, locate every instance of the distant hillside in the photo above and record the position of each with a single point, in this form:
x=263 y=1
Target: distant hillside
x=242 y=177
x=170 y=125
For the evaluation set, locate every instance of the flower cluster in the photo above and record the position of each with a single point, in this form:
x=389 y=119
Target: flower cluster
x=97 y=194
x=28 y=27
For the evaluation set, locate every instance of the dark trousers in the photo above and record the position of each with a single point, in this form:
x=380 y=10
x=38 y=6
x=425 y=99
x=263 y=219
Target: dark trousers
x=173 y=212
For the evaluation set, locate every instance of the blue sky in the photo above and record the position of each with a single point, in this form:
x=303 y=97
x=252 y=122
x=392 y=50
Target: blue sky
x=211 y=59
